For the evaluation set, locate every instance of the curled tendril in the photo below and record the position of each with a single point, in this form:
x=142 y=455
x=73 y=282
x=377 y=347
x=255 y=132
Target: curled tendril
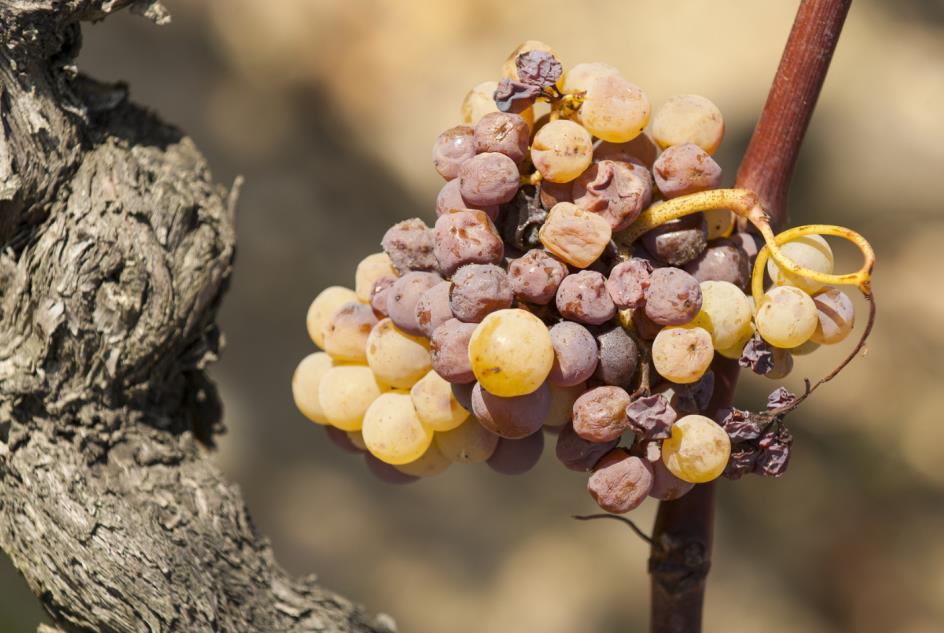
x=746 y=204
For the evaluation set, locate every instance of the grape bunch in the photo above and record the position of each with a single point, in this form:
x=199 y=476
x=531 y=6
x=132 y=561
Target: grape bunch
x=582 y=275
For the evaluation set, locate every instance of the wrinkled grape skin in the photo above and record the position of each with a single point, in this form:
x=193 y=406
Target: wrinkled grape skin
x=478 y=290
x=536 y=276
x=432 y=308
x=489 y=178
x=582 y=297
x=410 y=246
x=449 y=347
x=684 y=169
x=576 y=453
x=641 y=149
x=682 y=354
x=673 y=297
x=618 y=356
x=836 y=316
x=387 y=473
x=452 y=148
x=575 y=354
x=620 y=481
x=721 y=261
x=665 y=485
x=576 y=236
x=679 y=241
x=516 y=457
x=554 y=192
x=378 y=295
x=600 y=414
x=512 y=418
x=561 y=150
x=628 y=282
x=617 y=191
x=403 y=297
x=502 y=132
x=466 y=237
x=449 y=198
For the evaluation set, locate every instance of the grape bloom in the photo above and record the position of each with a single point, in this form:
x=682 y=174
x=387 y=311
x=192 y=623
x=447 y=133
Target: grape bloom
x=581 y=275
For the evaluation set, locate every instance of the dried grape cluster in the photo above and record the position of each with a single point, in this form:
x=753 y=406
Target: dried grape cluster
x=581 y=277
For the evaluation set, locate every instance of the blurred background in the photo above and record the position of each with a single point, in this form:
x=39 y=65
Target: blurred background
x=330 y=108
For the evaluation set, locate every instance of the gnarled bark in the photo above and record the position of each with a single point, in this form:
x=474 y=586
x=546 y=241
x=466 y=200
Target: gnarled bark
x=116 y=250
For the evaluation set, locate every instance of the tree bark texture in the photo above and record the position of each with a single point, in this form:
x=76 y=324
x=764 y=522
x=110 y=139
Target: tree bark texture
x=116 y=247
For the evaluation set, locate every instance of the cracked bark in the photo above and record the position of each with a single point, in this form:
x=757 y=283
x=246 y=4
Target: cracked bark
x=116 y=247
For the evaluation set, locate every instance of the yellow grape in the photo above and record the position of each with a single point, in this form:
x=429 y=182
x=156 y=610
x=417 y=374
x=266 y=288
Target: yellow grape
x=481 y=100
x=509 y=69
x=579 y=77
x=435 y=405
x=345 y=392
x=720 y=223
x=688 y=119
x=430 y=463
x=345 y=336
x=369 y=270
x=809 y=251
x=323 y=308
x=511 y=353
x=682 y=354
x=836 y=316
x=469 y=443
x=397 y=358
x=575 y=235
x=725 y=313
x=392 y=431
x=305 y=383
x=786 y=317
x=614 y=109
x=734 y=351
x=561 y=150
x=698 y=450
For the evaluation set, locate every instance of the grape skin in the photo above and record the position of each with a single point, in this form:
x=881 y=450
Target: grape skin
x=665 y=485
x=720 y=223
x=435 y=405
x=397 y=358
x=620 y=481
x=512 y=417
x=432 y=308
x=628 y=282
x=561 y=150
x=618 y=356
x=409 y=244
x=392 y=431
x=678 y=242
x=578 y=454
x=682 y=354
x=600 y=414
x=688 y=119
x=466 y=237
x=614 y=109
x=450 y=198
x=502 y=132
x=511 y=353
x=698 y=450
x=725 y=313
x=582 y=297
x=488 y=179
x=835 y=316
x=305 y=381
x=536 y=276
x=786 y=317
x=345 y=393
x=369 y=270
x=378 y=295
x=617 y=191
x=673 y=297
x=345 y=336
x=404 y=296
x=516 y=457
x=641 y=149
x=722 y=261
x=469 y=443
x=561 y=409
x=809 y=251
x=452 y=148
x=554 y=192
x=684 y=169
x=509 y=68
x=478 y=290
x=576 y=236
x=449 y=346
x=323 y=308
x=575 y=354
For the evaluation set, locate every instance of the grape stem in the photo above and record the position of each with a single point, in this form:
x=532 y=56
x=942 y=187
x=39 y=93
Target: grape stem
x=635 y=528
x=683 y=527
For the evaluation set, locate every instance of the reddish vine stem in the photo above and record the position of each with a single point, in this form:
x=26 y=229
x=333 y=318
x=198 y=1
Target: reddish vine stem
x=682 y=536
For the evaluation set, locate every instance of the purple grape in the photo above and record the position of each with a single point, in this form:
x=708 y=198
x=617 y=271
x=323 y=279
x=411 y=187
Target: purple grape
x=432 y=308
x=477 y=290
x=554 y=192
x=651 y=417
x=665 y=485
x=452 y=148
x=502 y=132
x=721 y=261
x=684 y=169
x=449 y=348
x=582 y=297
x=628 y=282
x=449 y=198
x=578 y=454
x=620 y=481
x=463 y=394
x=378 y=294
x=618 y=356
x=410 y=246
x=489 y=178
x=341 y=440
x=600 y=414
x=749 y=244
x=678 y=242
x=403 y=297
x=511 y=418
x=536 y=276
x=673 y=297
x=387 y=473
x=515 y=457
x=617 y=191
x=466 y=237
x=575 y=354
x=641 y=149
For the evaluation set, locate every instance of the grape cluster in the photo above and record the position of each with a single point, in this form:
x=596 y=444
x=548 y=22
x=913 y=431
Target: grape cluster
x=574 y=281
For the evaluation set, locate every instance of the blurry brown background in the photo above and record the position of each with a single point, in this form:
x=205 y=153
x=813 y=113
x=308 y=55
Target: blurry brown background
x=329 y=109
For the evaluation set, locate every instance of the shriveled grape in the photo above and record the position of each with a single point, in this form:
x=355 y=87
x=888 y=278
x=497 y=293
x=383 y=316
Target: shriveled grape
x=617 y=191
x=628 y=282
x=620 y=481
x=582 y=297
x=535 y=276
x=502 y=132
x=618 y=356
x=678 y=242
x=488 y=179
x=478 y=290
x=452 y=148
x=404 y=296
x=450 y=198
x=466 y=237
x=673 y=297
x=432 y=308
x=684 y=169
x=449 y=346
x=576 y=236
x=512 y=417
x=378 y=295
x=600 y=414
x=575 y=354
x=410 y=246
